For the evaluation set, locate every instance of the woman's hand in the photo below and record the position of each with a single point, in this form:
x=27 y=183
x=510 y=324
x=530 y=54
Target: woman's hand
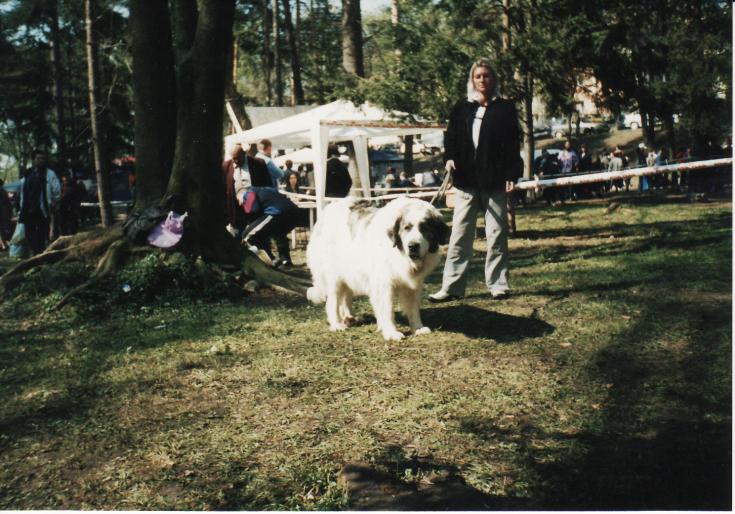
x=449 y=166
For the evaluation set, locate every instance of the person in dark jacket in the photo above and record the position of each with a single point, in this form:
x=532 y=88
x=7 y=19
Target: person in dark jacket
x=40 y=192
x=70 y=205
x=338 y=178
x=482 y=151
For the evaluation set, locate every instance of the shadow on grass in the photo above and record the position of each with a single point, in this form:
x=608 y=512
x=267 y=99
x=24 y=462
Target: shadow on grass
x=485 y=324
x=400 y=483
x=664 y=438
x=58 y=379
x=677 y=465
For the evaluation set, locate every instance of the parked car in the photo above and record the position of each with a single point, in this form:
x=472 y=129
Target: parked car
x=560 y=130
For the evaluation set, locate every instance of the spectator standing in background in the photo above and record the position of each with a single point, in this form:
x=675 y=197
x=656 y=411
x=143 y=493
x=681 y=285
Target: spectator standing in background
x=72 y=194
x=568 y=162
x=40 y=191
x=404 y=181
x=265 y=147
x=339 y=182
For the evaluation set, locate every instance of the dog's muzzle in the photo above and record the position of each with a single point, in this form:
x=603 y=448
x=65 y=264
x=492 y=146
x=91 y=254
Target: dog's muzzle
x=414 y=251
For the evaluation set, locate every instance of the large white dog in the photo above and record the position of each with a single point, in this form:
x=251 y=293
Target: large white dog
x=386 y=254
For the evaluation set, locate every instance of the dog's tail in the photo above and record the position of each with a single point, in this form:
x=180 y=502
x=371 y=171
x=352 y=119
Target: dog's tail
x=315 y=295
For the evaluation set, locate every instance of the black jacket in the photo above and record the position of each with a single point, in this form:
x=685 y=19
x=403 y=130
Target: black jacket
x=338 y=179
x=497 y=158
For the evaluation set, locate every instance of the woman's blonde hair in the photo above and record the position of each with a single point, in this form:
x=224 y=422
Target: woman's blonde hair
x=472 y=94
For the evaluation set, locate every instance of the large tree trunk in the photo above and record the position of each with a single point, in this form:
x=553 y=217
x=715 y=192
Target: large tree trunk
x=154 y=97
x=267 y=53
x=277 y=54
x=61 y=127
x=297 y=90
x=201 y=71
x=352 y=59
x=101 y=161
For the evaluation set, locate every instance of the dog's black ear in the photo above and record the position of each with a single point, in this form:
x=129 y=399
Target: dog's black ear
x=395 y=233
x=436 y=231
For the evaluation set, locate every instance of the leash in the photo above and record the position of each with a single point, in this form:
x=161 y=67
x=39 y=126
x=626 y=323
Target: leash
x=446 y=184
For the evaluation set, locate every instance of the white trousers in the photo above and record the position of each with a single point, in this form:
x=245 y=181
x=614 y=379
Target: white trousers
x=468 y=203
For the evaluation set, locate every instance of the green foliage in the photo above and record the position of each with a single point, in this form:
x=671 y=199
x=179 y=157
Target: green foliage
x=28 y=110
x=667 y=57
x=156 y=275
x=437 y=50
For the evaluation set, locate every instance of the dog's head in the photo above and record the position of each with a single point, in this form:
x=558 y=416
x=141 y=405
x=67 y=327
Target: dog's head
x=419 y=229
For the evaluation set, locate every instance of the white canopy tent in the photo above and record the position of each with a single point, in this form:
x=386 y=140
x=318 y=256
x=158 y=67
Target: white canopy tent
x=335 y=122
x=302 y=156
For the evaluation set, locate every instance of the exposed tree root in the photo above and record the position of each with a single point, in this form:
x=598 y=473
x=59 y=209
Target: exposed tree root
x=109 y=250
x=15 y=274
x=254 y=267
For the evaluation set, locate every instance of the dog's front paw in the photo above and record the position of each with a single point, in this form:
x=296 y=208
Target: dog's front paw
x=349 y=321
x=392 y=335
x=423 y=330
x=337 y=327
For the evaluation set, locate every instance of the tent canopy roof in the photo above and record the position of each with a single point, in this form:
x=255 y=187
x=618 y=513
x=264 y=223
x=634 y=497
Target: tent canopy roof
x=344 y=120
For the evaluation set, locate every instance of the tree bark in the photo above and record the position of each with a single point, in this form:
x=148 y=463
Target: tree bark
x=277 y=54
x=61 y=126
x=195 y=185
x=506 y=38
x=154 y=99
x=297 y=90
x=352 y=57
x=267 y=53
x=101 y=164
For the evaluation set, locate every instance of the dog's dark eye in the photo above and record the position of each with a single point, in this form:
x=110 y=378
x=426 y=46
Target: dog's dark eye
x=407 y=227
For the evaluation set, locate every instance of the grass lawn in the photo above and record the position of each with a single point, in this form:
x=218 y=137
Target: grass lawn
x=603 y=382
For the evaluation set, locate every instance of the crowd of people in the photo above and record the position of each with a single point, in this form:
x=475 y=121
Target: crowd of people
x=46 y=206
x=569 y=161
x=256 y=209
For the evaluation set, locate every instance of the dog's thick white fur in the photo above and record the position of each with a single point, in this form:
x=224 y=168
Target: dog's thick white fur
x=386 y=254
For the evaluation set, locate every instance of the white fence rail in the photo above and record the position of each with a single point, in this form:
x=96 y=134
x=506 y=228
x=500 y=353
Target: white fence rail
x=591 y=178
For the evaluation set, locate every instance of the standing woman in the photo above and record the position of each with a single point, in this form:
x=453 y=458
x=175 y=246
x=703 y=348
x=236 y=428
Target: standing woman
x=482 y=151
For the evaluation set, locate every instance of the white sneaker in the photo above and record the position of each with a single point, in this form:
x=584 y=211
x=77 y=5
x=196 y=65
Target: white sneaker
x=500 y=294
x=442 y=296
